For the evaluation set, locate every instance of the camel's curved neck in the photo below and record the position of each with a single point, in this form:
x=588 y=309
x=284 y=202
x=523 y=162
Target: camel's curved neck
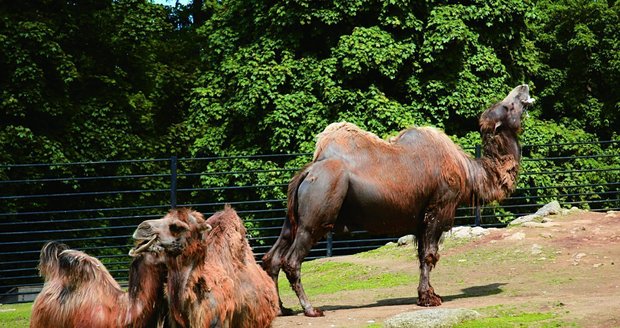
x=495 y=173
x=145 y=292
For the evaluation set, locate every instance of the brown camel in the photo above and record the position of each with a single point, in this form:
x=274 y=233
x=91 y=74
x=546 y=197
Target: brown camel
x=80 y=292
x=411 y=184
x=213 y=279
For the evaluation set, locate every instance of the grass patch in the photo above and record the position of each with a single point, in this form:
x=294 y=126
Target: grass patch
x=500 y=317
x=392 y=251
x=15 y=315
x=408 y=252
x=330 y=277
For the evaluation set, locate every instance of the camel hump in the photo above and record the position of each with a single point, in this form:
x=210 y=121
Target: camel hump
x=345 y=128
x=341 y=131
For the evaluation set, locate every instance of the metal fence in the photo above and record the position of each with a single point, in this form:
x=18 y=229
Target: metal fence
x=95 y=206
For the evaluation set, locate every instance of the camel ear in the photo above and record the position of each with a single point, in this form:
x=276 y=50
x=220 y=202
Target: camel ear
x=204 y=227
x=497 y=125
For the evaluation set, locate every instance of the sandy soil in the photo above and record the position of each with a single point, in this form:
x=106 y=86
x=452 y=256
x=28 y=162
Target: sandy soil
x=570 y=267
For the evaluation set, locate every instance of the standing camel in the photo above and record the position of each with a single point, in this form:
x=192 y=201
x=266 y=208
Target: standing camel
x=413 y=183
x=213 y=279
x=80 y=292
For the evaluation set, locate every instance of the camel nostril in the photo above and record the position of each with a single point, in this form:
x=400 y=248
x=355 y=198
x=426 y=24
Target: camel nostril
x=144 y=229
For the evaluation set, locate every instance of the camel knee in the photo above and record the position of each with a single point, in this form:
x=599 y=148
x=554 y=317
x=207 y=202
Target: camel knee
x=292 y=271
x=431 y=259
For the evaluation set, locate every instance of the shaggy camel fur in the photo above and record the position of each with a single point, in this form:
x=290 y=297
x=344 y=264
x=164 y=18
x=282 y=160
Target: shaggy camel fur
x=410 y=184
x=80 y=292
x=213 y=278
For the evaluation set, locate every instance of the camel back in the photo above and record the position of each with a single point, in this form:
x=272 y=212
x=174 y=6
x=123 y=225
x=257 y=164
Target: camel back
x=228 y=236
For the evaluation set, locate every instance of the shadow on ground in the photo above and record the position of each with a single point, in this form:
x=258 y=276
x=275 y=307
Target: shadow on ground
x=470 y=292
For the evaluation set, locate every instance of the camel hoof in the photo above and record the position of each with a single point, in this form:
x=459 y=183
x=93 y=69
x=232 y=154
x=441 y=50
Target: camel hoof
x=312 y=312
x=429 y=299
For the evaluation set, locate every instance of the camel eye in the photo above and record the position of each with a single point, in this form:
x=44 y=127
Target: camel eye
x=177 y=228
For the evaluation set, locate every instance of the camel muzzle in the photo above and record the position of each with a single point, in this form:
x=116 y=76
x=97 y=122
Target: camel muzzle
x=144 y=244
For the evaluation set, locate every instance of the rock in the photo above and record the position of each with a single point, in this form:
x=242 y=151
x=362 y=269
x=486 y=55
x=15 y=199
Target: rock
x=391 y=243
x=459 y=232
x=467 y=232
x=577 y=257
x=536 y=249
x=406 y=240
x=479 y=231
x=549 y=209
x=575 y=210
x=524 y=219
x=431 y=318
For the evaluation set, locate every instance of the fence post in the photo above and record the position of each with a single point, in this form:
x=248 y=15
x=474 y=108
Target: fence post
x=330 y=243
x=476 y=200
x=173 y=181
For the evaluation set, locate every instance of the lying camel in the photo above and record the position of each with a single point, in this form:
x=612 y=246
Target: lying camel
x=80 y=292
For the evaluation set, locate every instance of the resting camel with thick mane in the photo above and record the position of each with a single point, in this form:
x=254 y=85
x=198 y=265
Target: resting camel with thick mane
x=80 y=292
x=213 y=278
x=410 y=184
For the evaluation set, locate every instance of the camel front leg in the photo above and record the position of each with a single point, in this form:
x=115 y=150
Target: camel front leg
x=428 y=245
x=272 y=263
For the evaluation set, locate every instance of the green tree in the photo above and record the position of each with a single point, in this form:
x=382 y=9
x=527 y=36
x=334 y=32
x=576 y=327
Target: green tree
x=579 y=77
x=274 y=75
x=90 y=80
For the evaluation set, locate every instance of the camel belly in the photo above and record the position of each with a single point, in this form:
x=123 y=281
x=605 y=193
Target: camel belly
x=377 y=209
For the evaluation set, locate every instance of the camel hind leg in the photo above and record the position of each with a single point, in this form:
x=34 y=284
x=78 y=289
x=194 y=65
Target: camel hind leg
x=272 y=261
x=320 y=198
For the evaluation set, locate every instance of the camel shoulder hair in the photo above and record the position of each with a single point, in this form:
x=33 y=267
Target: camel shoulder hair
x=341 y=131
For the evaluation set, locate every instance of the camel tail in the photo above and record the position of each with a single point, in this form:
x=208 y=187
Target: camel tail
x=48 y=259
x=292 y=200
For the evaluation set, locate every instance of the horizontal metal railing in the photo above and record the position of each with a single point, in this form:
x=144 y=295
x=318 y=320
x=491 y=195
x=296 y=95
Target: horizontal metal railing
x=95 y=206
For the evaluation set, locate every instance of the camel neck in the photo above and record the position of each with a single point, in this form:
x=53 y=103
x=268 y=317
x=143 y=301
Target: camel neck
x=495 y=173
x=145 y=292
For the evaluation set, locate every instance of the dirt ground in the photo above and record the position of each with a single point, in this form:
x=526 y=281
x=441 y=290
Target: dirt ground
x=570 y=267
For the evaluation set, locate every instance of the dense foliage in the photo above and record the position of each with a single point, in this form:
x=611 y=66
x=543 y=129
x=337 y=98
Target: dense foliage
x=91 y=80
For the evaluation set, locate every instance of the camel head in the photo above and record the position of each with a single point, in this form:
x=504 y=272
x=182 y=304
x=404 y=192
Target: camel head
x=170 y=234
x=507 y=114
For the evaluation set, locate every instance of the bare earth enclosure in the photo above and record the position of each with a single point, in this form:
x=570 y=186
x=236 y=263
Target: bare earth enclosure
x=568 y=268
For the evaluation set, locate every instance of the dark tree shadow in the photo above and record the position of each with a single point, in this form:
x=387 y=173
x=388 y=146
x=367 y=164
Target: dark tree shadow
x=469 y=292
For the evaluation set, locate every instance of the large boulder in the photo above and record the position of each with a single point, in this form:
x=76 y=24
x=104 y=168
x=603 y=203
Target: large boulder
x=550 y=209
x=431 y=318
x=540 y=215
